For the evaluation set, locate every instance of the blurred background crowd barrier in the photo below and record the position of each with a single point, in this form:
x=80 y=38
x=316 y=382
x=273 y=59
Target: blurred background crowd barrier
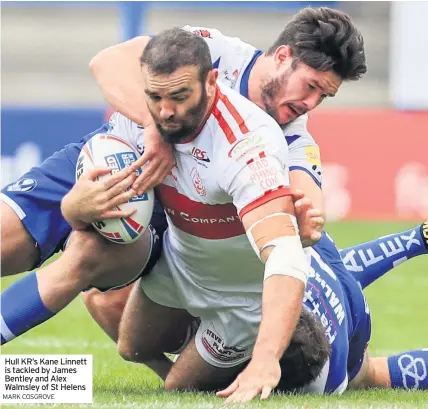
x=373 y=134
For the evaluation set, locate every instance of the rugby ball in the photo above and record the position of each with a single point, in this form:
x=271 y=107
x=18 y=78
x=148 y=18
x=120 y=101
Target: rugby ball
x=116 y=153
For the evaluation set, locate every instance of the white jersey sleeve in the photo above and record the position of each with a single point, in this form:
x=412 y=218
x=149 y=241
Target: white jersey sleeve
x=304 y=153
x=255 y=169
x=230 y=55
x=127 y=130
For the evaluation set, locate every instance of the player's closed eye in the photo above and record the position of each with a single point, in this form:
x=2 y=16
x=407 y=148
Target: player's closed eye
x=180 y=98
x=155 y=98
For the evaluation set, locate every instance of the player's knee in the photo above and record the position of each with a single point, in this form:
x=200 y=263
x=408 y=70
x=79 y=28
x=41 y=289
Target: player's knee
x=133 y=353
x=18 y=248
x=91 y=251
x=107 y=264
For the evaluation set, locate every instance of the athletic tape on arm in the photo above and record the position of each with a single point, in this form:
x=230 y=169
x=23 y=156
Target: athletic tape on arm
x=287 y=256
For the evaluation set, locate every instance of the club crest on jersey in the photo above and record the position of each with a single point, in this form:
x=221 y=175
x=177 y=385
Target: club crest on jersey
x=215 y=345
x=199 y=154
x=197 y=182
x=22 y=185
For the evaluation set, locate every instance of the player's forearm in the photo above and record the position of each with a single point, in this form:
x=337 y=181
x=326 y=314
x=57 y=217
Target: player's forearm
x=282 y=304
x=118 y=73
x=301 y=180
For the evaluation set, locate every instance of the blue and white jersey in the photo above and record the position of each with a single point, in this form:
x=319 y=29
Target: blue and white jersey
x=336 y=299
x=234 y=60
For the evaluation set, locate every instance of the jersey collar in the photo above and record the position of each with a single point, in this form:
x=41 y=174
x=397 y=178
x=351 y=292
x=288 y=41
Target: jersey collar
x=243 y=89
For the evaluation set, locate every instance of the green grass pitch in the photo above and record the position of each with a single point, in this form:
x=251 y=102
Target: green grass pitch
x=399 y=315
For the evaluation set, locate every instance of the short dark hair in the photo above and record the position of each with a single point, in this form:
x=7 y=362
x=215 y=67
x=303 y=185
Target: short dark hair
x=306 y=355
x=176 y=48
x=325 y=39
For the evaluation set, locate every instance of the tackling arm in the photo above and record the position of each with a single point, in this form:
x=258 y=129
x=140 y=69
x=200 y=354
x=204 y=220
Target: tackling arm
x=118 y=73
x=301 y=180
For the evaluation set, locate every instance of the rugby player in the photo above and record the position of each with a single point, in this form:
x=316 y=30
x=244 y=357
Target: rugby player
x=33 y=228
x=209 y=270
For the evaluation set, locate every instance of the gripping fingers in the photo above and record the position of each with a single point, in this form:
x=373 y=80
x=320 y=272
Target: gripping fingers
x=154 y=179
x=121 y=198
x=121 y=186
x=117 y=214
x=302 y=203
x=94 y=173
x=117 y=177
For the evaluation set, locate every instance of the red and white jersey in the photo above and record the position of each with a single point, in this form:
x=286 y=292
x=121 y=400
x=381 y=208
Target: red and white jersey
x=234 y=60
x=236 y=163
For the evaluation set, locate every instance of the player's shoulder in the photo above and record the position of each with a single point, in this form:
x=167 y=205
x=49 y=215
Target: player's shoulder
x=121 y=126
x=239 y=112
x=243 y=131
x=297 y=133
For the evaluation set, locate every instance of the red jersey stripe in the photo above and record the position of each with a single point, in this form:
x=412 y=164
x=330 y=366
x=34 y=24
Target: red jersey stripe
x=224 y=125
x=214 y=222
x=267 y=197
x=234 y=112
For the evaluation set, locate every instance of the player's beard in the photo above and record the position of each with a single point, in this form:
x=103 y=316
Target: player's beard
x=270 y=89
x=193 y=120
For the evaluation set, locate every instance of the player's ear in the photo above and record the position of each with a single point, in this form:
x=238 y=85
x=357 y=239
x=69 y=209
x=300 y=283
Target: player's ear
x=212 y=76
x=283 y=55
x=211 y=81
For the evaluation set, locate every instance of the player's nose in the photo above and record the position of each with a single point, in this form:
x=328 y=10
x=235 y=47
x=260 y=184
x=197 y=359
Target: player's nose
x=167 y=111
x=312 y=101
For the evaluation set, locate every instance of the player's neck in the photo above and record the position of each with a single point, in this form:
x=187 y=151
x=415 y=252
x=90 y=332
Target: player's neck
x=254 y=81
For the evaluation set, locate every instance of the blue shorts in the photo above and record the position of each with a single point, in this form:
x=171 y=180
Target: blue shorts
x=36 y=199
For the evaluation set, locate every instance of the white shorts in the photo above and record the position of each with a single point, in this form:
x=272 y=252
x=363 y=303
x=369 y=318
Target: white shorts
x=229 y=321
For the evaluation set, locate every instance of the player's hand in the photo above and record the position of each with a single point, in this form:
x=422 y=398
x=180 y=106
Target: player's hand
x=261 y=376
x=310 y=220
x=91 y=200
x=159 y=158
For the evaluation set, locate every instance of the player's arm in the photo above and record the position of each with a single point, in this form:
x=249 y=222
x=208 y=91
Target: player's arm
x=118 y=73
x=273 y=232
x=301 y=180
x=258 y=182
x=305 y=162
x=309 y=205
